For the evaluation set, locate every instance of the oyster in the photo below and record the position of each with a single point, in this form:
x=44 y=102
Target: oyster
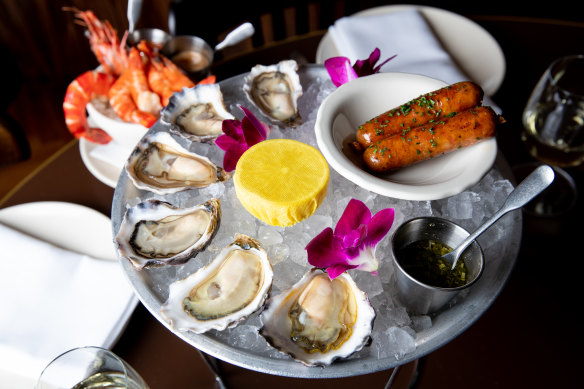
x=161 y=165
x=317 y=320
x=233 y=286
x=275 y=90
x=155 y=233
x=197 y=113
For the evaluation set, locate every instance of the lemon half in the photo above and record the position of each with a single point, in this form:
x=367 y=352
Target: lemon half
x=281 y=181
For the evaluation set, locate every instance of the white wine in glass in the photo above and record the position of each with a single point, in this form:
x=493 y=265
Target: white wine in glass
x=89 y=368
x=553 y=118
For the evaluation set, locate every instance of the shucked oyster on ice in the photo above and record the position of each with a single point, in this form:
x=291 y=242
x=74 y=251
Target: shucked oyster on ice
x=155 y=233
x=197 y=113
x=319 y=320
x=275 y=90
x=233 y=286
x=161 y=165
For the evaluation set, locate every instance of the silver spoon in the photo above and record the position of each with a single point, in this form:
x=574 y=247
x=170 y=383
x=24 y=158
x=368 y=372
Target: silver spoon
x=530 y=187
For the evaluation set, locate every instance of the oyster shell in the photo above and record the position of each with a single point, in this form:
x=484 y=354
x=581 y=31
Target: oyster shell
x=317 y=320
x=161 y=165
x=197 y=113
x=233 y=286
x=275 y=90
x=156 y=233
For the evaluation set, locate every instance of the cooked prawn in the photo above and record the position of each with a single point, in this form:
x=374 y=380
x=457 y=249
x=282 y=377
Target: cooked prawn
x=145 y=99
x=156 y=79
x=158 y=82
x=163 y=80
x=176 y=77
x=208 y=80
x=82 y=90
x=103 y=39
x=120 y=97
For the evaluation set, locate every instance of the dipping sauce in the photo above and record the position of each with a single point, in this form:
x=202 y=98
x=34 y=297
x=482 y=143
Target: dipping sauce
x=422 y=260
x=191 y=61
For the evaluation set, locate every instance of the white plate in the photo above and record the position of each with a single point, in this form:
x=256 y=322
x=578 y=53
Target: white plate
x=470 y=45
x=103 y=171
x=66 y=225
x=364 y=98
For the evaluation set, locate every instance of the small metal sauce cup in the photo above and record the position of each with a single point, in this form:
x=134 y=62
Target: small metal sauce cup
x=418 y=297
x=191 y=53
x=155 y=37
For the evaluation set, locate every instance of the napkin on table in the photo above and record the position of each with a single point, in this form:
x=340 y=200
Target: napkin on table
x=54 y=300
x=405 y=33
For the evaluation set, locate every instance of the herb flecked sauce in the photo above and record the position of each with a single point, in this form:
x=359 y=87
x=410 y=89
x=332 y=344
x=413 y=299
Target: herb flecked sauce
x=422 y=260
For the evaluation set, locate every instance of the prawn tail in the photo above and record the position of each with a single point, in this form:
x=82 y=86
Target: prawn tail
x=81 y=91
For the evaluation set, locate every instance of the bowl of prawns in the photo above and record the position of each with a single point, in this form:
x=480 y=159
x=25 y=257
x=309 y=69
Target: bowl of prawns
x=125 y=94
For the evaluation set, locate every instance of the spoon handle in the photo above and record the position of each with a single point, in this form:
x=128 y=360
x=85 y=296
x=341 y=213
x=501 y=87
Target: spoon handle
x=133 y=13
x=237 y=35
x=530 y=187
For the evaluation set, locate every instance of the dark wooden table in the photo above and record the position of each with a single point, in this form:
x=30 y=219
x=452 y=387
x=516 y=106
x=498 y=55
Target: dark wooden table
x=529 y=337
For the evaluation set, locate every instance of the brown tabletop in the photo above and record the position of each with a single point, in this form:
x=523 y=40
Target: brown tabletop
x=529 y=337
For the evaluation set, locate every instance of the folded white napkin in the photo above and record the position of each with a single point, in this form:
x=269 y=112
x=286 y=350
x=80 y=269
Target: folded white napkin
x=54 y=300
x=405 y=33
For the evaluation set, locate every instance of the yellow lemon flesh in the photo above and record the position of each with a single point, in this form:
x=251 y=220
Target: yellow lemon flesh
x=281 y=181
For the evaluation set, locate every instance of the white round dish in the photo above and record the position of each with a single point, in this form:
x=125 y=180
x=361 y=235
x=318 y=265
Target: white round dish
x=103 y=171
x=59 y=223
x=364 y=98
x=123 y=133
x=471 y=46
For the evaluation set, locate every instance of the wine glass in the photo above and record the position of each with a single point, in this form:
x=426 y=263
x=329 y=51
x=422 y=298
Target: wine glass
x=553 y=118
x=553 y=121
x=89 y=367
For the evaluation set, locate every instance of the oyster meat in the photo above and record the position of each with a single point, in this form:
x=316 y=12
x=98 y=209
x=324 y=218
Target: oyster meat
x=218 y=296
x=197 y=113
x=161 y=165
x=319 y=320
x=155 y=233
x=275 y=90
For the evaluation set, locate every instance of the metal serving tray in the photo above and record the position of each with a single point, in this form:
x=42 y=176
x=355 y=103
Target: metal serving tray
x=151 y=285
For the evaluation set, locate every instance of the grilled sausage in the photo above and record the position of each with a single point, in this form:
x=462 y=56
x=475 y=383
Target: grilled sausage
x=453 y=98
x=432 y=139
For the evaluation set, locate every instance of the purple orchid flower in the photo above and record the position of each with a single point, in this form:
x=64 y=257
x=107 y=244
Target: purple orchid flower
x=341 y=71
x=352 y=244
x=240 y=136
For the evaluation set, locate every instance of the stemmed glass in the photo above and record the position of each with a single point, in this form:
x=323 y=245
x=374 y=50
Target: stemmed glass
x=89 y=367
x=553 y=122
x=554 y=115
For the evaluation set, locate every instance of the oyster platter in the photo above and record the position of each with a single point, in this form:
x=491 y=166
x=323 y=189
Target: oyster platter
x=230 y=284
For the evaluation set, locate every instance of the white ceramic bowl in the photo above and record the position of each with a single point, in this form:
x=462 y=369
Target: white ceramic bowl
x=354 y=103
x=123 y=133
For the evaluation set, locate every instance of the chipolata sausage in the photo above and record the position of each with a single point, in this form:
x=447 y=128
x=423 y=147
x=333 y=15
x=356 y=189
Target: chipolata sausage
x=430 y=106
x=429 y=140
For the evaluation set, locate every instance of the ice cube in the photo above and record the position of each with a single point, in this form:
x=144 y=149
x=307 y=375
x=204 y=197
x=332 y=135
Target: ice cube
x=421 y=323
x=269 y=236
x=367 y=282
x=400 y=342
